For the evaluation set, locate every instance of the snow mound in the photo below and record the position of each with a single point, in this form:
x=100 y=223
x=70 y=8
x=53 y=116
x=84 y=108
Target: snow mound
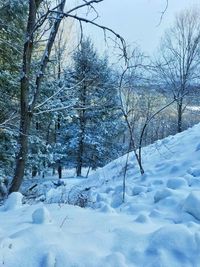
x=116 y=201
x=106 y=208
x=198 y=147
x=162 y=194
x=192 y=204
x=173 y=237
x=56 y=195
x=138 y=189
x=173 y=245
x=41 y=216
x=115 y=259
x=13 y=202
x=195 y=171
x=49 y=260
x=176 y=183
x=195 y=182
x=142 y=218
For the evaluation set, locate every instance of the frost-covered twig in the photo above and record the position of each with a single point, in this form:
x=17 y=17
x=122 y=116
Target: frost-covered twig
x=7 y=121
x=56 y=93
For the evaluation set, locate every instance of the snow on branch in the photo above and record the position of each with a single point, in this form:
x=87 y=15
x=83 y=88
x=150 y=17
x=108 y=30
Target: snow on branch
x=7 y=121
x=56 y=93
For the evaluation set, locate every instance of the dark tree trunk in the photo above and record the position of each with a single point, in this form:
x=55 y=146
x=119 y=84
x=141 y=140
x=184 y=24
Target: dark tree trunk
x=80 y=146
x=21 y=157
x=53 y=170
x=82 y=121
x=26 y=108
x=180 y=115
x=25 y=115
x=34 y=171
x=59 y=171
x=80 y=157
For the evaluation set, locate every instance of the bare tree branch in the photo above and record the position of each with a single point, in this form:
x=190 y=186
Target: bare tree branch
x=104 y=28
x=163 y=13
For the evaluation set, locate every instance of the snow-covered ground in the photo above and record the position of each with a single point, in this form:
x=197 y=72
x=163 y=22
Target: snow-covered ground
x=158 y=225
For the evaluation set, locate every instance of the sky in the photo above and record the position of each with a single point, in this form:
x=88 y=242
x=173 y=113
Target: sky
x=137 y=20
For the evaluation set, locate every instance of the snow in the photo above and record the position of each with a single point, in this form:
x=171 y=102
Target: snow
x=157 y=225
x=138 y=189
x=192 y=204
x=176 y=183
x=193 y=108
x=41 y=216
x=162 y=194
x=14 y=201
x=173 y=244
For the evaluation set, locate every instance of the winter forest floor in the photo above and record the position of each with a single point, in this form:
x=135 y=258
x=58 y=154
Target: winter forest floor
x=158 y=225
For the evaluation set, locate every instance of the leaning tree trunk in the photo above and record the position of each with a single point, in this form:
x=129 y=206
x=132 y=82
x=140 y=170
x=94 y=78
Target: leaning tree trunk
x=22 y=154
x=25 y=115
x=26 y=108
x=180 y=115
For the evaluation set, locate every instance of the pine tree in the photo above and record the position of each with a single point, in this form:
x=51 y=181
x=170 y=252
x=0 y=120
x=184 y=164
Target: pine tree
x=12 y=24
x=92 y=131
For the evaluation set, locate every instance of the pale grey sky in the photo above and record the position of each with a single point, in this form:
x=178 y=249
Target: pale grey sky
x=137 y=20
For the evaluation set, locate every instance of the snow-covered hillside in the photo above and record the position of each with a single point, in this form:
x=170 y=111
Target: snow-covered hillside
x=158 y=225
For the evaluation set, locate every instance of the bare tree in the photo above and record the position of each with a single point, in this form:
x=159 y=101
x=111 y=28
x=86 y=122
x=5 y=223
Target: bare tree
x=126 y=86
x=138 y=108
x=178 y=66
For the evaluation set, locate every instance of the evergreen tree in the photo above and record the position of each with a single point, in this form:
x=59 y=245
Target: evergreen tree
x=12 y=24
x=93 y=128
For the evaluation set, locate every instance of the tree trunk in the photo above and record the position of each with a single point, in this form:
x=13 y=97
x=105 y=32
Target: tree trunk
x=26 y=108
x=82 y=132
x=80 y=147
x=59 y=171
x=53 y=170
x=21 y=156
x=25 y=115
x=34 y=171
x=180 y=115
x=80 y=157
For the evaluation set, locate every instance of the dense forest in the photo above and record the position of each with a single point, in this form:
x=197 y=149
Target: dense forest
x=64 y=105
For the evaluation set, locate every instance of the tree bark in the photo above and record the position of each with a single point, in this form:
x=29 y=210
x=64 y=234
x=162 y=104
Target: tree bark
x=26 y=108
x=25 y=114
x=21 y=156
x=180 y=115
x=80 y=157
x=59 y=170
x=82 y=132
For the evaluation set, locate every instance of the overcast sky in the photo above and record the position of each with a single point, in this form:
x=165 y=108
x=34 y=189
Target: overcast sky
x=137 y=20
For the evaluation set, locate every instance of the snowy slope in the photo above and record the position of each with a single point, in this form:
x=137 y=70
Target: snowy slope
x=158 y=225
x=172 y=171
